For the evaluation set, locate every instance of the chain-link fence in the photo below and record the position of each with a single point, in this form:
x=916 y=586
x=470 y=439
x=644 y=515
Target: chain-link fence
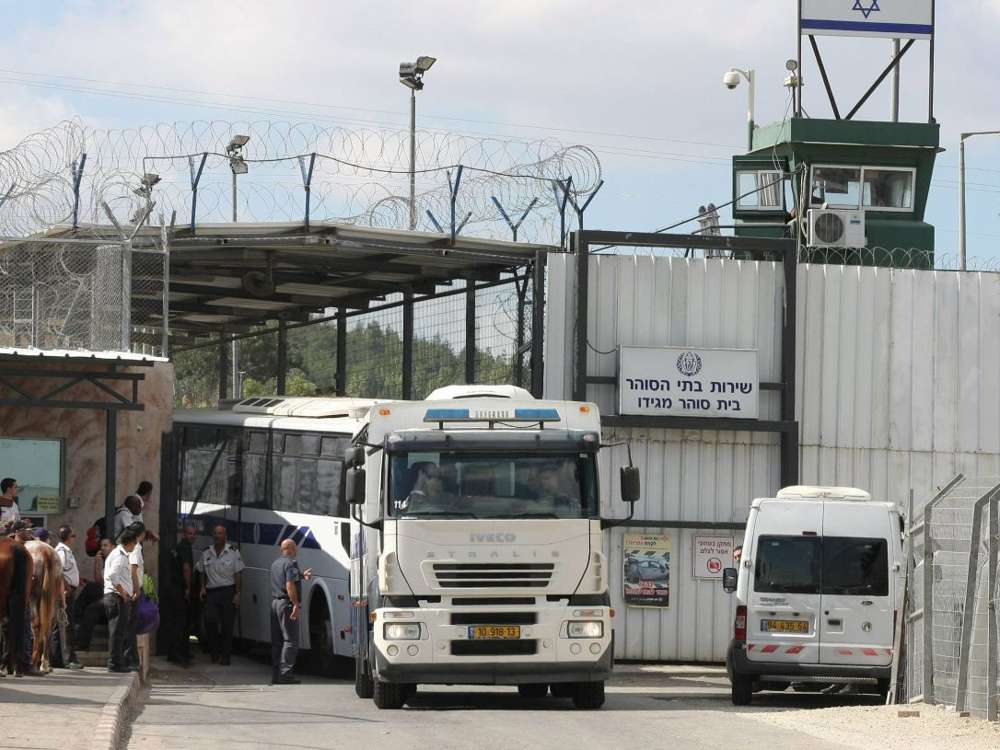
x=373 y=357
x=950 y=649
x=81 y=296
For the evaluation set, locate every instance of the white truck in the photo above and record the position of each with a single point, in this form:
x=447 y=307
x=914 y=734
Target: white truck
x=817 y=591
x=477 y=546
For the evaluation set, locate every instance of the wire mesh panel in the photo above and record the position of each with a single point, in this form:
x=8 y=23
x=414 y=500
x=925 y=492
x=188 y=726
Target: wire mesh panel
x=952 y=591
x=438 y=343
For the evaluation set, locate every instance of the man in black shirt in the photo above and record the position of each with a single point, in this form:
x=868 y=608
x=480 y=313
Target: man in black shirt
x=286 y=599
x=179 y=592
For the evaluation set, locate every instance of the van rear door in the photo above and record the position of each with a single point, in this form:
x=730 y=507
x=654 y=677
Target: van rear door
x=784 y=592
x=856 y=626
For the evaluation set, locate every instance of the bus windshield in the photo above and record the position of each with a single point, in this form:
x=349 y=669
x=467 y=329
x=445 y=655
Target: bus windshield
x=450 y=484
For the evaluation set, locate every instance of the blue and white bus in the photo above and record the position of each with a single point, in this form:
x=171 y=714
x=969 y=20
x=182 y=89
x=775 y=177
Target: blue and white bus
x=270 y=469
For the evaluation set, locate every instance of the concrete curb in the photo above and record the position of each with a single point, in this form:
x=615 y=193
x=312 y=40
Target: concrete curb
x=114 y=718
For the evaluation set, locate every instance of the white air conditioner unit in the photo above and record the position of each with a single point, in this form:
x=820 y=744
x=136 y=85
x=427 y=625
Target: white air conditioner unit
x=830 y=227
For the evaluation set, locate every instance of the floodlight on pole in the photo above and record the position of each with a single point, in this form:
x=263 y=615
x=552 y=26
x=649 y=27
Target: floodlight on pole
x=411 y=75
x=962 y=257
x=731 y=80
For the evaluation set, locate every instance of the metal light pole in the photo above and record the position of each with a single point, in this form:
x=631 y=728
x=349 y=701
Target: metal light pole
x=411 y=75
x=238 y=166
x=962 y=257
x=732 y=79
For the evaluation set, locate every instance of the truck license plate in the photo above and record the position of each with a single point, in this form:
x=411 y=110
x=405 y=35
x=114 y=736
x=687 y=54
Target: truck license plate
x=784 y=626
x=494 y=632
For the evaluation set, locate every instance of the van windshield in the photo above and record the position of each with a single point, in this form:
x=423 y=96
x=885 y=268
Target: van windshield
x=841 y=566
x=788 y=565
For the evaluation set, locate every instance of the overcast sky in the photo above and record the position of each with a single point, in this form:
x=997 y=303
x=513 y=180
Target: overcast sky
x=638 y=81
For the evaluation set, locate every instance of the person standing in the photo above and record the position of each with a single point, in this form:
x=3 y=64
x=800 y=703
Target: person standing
x=145 y=495
x=138 y=567
x=286 y=600
x=71 y=587
x=118 y=596
x=10 y=513
x=178 y=593
x=128 y=514
x=221 y=567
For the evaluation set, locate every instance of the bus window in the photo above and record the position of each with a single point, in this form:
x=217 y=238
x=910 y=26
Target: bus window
x=255 y=470
x=306 y=483
x=208 y=465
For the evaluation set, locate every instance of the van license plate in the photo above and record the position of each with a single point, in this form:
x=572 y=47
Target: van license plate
x=494 y=632
x=784 y=626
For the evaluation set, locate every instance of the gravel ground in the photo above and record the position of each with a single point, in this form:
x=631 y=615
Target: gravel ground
x=881 y=727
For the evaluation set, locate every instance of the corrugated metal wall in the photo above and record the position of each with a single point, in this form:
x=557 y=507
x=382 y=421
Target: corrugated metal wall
x=898 y=385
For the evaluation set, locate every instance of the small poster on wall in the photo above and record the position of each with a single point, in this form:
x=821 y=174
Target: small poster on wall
x=712 y=554
x=646 y=574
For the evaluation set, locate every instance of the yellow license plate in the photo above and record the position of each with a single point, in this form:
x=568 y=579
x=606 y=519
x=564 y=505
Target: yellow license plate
x=784 y=626
x=494 y=632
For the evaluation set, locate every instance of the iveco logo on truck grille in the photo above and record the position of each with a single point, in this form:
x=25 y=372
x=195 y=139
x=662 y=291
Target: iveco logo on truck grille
x=500 y=537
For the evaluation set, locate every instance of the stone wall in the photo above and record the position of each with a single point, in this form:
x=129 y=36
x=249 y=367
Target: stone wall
x=83 y=430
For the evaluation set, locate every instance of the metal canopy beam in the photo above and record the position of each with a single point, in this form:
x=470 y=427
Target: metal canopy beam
x=104 y=397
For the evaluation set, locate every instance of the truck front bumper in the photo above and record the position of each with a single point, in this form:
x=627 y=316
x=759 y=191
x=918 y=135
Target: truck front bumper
x=446 y=655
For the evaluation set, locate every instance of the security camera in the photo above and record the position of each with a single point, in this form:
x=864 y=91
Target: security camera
x=731 y=79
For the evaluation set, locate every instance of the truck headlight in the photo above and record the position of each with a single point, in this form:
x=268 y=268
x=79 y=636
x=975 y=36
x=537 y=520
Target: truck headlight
x=585 y=629
x=401 y=631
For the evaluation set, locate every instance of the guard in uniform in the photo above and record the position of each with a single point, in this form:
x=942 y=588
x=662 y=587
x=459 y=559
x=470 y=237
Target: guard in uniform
x=220 y=566
x=286 y=598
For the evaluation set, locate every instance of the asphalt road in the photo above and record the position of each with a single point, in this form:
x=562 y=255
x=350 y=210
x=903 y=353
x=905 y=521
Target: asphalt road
x=667 y=707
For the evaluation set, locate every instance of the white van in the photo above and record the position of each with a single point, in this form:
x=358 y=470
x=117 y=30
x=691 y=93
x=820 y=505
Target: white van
x=817 y=587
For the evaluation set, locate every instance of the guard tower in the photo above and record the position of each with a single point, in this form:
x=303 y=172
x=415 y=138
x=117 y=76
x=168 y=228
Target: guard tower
x=851 y=191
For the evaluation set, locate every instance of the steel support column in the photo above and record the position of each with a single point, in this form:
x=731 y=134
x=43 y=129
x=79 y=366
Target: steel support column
x=470 y=331
x=341 y=352
x=282 y=374
x=223 y=368
x=790 y=438
x=110 y=470
x=538 y=325
x=407 y=346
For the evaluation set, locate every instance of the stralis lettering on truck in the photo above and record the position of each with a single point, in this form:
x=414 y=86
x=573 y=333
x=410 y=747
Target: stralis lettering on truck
x=492 y=554
x=500 y=537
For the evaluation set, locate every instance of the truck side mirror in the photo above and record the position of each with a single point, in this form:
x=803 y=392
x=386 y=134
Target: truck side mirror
x=354 y=455
x=730 y=577
x=355 y=486
x=630 y=484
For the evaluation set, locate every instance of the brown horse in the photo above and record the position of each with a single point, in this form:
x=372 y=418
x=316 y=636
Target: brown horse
x=15 y=585
x=46 y=599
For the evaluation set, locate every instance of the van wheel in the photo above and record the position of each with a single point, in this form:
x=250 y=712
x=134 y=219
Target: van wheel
x=388 y=695
x=589 y=696
x=533 y=691
x=363 y=685
x=742 y=690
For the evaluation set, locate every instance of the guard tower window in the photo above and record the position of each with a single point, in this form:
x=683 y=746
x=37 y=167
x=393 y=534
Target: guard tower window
x=887 y=188
x=759 y=190
x=876 y=188
x=837 y=187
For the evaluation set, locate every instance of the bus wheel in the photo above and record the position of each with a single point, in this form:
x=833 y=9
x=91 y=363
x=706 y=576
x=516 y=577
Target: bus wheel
x=363 y=684
x=321 y=638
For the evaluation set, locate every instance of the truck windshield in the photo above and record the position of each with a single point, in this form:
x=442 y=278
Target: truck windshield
x=453 y=484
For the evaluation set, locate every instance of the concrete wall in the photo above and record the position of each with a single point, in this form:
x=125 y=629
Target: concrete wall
x=898 y=387
x=83 y=431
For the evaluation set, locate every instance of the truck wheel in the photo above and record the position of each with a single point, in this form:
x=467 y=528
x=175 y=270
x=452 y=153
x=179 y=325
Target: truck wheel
x=389 y=695
x=533 y=690
x=362 y=679
x=742 y=690
x=589 y=695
